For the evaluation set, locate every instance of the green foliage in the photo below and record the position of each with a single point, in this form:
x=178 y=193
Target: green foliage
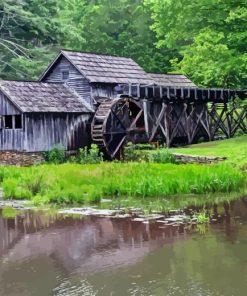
x=133 y=152
x=234 y=149
x=130 y=152
x=8 y=212
x=210 y=37
x=209 y=47
x=55 y=155
x=33 y=31
x=73 y=183
x=202 y=218
x=161 y=156
x=119 y=27
x=28 y=37
x=203 y=39
x=91 y=155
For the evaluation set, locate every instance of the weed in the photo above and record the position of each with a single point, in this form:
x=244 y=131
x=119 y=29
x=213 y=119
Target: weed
x=87 y=156
x=161 y=156
x=55 y=155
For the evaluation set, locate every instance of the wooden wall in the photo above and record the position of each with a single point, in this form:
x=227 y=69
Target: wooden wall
x=76 y=80
x=103 y=90
x=7 y=107
x=43 y=131
x=86 y=90
x=10 y=139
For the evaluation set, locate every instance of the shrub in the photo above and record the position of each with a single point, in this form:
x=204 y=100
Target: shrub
x=87 y=156
x=136 y=153
x=55 y=155
x=130 y=152
x=161 y=156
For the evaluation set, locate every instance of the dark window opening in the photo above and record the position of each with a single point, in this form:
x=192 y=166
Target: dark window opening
x=65 y=75
x=18 y=121
x=8 y=122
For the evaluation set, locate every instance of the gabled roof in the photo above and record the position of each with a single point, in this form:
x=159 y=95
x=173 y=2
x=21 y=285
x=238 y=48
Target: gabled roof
x=99 y=68
x=42 y=97
x=174 y=80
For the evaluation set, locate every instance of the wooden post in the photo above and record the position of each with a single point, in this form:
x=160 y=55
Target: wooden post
x=145 y=109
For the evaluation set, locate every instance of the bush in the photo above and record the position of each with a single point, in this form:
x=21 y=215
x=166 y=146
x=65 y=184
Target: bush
x=130 y=152
x=136 y=153
x=55 y=155
x=161 y=156
x=87 y=156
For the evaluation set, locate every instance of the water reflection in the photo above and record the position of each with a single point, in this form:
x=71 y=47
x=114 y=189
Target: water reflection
x=50 y=254
x=76 y=242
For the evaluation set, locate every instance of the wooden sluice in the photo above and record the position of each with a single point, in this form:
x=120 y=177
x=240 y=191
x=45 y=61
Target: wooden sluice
x=179 y=114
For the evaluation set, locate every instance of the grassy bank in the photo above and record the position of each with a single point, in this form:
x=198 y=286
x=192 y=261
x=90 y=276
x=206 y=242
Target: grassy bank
x=74 y=183
x=234 y=149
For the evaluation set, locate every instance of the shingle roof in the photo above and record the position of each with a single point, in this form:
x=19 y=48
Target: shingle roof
x=175 y=80
x=107 y=69
x=42 y=97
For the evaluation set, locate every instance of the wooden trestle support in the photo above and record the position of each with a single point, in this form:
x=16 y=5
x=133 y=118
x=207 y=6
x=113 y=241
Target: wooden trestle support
x=168 y=115
x=189 y=121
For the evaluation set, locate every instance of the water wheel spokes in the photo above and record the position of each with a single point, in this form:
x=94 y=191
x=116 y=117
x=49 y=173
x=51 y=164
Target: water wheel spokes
x=116 y=122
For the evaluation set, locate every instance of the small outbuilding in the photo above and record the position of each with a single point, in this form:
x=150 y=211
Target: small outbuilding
x=37 y=116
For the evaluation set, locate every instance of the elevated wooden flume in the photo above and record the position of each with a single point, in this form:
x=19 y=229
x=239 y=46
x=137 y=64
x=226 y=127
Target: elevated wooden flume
x=170 y=115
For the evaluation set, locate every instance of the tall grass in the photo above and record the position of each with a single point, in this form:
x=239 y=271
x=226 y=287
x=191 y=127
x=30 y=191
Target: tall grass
x=75 y=183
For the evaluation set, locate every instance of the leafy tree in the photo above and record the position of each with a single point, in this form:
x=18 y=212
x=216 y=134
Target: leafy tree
x=28 y=31
x=32 y=31
x=210 y=35
x=119 y=27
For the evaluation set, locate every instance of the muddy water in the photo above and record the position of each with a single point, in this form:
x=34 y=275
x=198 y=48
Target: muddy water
x=51 y=254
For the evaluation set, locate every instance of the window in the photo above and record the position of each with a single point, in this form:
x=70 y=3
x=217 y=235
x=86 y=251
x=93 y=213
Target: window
x=11 y=121
x=18 y=121
x=65 y=75
x=8 y=122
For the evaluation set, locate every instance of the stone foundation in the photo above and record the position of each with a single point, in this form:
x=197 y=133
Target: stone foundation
x=20 y=158
x=184 y=158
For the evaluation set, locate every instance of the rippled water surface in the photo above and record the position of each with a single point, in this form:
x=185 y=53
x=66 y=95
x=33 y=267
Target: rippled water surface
x=50 y=254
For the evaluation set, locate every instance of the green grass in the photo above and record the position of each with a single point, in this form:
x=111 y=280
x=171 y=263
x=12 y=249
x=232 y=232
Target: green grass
x=74 y=183
x=234 y=149
x=84 y=183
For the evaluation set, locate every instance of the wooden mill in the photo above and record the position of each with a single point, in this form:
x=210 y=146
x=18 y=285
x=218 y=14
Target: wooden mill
x=84 y=97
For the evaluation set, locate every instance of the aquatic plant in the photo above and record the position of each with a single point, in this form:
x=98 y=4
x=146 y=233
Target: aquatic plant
x=202 y=218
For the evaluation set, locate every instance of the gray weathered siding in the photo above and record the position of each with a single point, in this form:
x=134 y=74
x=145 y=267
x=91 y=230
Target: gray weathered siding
x=46 y=130
x=43 y=131
x=7 y=107
x=10 y=139
x=76 y=80
x=103 y=90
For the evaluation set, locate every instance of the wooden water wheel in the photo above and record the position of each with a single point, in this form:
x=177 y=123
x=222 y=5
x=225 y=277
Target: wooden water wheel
x=116 y=122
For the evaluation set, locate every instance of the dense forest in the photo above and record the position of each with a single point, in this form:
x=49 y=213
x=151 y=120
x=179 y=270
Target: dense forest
x=204 y=39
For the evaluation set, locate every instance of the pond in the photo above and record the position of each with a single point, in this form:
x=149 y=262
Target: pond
x=44 y=253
